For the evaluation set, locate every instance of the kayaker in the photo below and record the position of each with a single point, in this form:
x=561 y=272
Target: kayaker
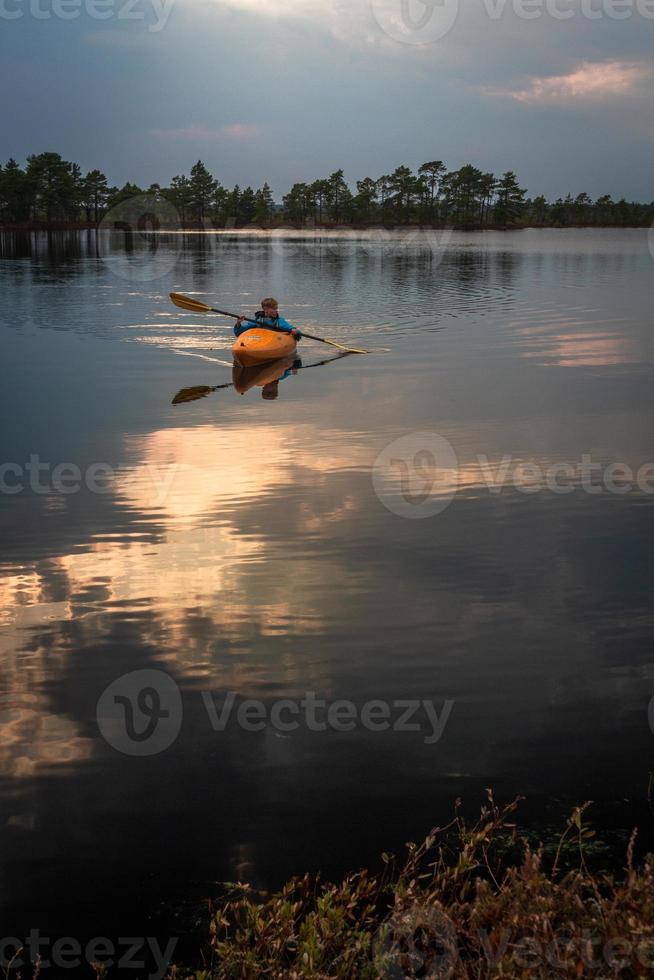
x=267 y=316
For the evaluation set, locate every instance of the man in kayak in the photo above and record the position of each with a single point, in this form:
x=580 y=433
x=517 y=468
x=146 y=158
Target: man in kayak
x=267 y=316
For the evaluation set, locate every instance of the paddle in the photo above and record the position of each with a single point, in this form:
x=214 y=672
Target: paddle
x=195 y=393
x=195 y=306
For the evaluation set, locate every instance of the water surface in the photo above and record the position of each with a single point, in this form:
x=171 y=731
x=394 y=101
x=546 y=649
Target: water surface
x=241 y=546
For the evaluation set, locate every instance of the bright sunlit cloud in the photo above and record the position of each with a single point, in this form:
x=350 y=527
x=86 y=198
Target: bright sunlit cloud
x=350 y=22
x=590 y=81
x=273 y=8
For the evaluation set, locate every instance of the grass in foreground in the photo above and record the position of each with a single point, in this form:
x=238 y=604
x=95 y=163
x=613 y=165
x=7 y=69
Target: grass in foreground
x=473 y=901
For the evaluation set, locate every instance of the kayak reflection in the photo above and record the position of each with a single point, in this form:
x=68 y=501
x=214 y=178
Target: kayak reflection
x=265 y=376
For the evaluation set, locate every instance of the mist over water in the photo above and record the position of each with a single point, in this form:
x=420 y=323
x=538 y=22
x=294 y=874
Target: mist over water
x=243 y=545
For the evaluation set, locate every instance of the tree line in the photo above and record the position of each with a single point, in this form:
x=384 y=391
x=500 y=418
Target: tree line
x=52 y=192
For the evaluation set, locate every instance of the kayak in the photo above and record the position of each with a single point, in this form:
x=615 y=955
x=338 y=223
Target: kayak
x=257 y=345
x=260 y=375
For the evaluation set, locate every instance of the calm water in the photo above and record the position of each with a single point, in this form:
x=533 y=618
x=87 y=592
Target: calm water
x=253 y=546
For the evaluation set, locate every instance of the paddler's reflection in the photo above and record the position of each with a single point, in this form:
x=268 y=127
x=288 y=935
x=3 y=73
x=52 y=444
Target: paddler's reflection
x=265 y=376
x=271 y=391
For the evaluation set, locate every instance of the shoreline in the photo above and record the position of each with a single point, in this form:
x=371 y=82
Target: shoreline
x=39 y=227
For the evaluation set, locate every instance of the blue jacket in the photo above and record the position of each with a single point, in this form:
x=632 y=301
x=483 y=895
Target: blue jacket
x=278 y=321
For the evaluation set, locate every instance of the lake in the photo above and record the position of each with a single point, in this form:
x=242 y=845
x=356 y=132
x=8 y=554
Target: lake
x=248 y=637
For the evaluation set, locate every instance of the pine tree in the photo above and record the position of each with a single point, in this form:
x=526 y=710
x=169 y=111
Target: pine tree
x=180 y=196
x=219 y=206
x=510 y=200
x=603 y=209
x=433 y=173
x=14 y=193
x=365 y=200
x=465 y=191
x=487 y=188
x=202 y=187
x=247 y=207
x=295 y=202
x=582 y=208
x=338 y=192
x=404 y=187
x=232 y=207
x=539 y=210
x=54 y=186
x=264 y=205
x=124 y=193
x=95 y=194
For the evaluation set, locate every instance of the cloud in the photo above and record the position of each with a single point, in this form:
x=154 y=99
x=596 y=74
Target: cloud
x=198 y=131
x=276 y=8
x=241 y=131
x=350 y=22
x=591 y=81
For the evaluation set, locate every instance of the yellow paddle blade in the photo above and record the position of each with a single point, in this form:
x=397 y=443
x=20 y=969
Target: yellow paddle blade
x=350 y=350
x=192 y=305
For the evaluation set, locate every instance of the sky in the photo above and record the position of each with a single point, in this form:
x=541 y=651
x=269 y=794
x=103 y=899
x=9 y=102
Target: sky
x=561 y=91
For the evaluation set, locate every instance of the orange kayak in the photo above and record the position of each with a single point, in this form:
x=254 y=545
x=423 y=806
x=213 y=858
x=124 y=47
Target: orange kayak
x=258 y=345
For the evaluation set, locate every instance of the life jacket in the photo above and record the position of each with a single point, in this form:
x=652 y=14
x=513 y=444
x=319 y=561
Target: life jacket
x=259 y=316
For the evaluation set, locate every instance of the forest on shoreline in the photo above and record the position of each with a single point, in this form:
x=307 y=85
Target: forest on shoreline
x=52 y=193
